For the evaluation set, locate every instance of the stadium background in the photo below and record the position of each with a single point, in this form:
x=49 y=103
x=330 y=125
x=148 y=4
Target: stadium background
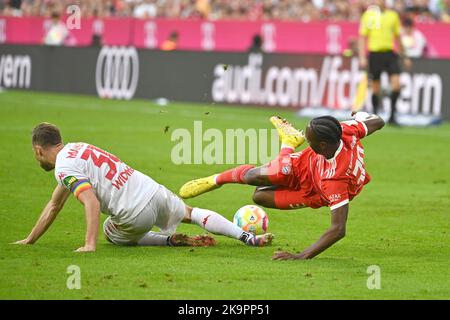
x=132 y=71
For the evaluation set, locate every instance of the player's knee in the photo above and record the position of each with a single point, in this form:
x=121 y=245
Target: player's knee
x=263 y=198
x=340 y=233
x=251 y=176
x=258 y=197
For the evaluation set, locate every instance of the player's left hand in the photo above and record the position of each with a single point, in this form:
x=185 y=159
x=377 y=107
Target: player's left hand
x=86 y=249
x=283 y=255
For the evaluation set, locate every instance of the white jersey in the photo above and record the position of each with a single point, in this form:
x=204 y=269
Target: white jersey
x=122 y=191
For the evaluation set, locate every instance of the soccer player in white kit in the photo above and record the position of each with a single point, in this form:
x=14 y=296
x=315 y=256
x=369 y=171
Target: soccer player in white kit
x=134 y=202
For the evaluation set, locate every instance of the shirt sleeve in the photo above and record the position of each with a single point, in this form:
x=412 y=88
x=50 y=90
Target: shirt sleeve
x=336 y=192
x=354 y=127
x=72 y=178
x=363 y=30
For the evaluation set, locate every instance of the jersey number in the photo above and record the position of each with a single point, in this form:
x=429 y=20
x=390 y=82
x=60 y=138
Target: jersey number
x=359 y=166
x=103 y=157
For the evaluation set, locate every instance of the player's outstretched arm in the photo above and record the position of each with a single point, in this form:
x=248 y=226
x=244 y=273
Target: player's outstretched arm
x=48 y=215
x=335 y=233
x=373 y=122
x=92 y=210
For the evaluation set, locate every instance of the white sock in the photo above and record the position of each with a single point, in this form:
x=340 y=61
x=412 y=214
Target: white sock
x=215 y=223
x=153 y=239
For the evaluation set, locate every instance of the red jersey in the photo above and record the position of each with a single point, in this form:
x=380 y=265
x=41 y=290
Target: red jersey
x=339 y=179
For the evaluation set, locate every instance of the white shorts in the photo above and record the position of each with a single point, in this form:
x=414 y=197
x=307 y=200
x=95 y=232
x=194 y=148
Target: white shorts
x=165 y=210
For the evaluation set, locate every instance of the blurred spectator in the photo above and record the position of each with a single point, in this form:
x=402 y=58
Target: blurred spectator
x=170 y=43
x=352 y=47
x=16 y=6
x=413 y=40
x=145 y=10
x=57 y=32
x=287 y=10
x=12 y=7
x=203 y=7
x=256 y=46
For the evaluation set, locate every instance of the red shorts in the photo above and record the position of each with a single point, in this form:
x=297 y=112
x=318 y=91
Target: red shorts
x=289 y=199
x=291 y=173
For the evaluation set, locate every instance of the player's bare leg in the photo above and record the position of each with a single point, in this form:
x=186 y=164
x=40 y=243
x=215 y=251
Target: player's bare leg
x=265 y=196
x=290 y=137
x=217 y=224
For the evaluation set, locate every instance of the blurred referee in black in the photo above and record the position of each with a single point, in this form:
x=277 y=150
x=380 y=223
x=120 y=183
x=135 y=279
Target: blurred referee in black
x=380 y=28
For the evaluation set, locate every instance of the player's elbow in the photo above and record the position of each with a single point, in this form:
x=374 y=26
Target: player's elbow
x=341 y=235
x=93 y=204
x=380 y=123
x=339 y=232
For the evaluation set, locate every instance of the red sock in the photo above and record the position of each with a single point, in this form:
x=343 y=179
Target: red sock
x=234 y=175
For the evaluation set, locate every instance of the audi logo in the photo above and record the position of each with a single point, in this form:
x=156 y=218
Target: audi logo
x=117 y=72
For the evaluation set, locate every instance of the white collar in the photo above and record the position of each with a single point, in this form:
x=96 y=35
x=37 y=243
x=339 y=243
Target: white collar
x=341 y=145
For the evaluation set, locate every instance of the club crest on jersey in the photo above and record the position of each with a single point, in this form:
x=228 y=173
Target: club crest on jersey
x=286 y=170
x=69 y=181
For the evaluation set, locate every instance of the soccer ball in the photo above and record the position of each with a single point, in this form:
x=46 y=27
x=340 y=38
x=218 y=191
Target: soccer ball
x=252 y=219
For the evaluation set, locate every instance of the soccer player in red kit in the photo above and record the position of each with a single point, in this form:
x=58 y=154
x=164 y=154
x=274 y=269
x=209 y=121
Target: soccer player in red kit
x=330 y=172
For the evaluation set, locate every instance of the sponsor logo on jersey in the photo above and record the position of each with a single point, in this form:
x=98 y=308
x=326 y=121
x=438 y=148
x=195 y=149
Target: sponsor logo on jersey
x=122 y=178
x=69 y=181
x=334 y=197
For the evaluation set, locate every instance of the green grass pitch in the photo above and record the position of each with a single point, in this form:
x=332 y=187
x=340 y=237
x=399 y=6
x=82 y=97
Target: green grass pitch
x=400 y=222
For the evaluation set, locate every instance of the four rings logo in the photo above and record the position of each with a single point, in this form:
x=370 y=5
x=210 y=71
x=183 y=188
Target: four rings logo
x=117 y=72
